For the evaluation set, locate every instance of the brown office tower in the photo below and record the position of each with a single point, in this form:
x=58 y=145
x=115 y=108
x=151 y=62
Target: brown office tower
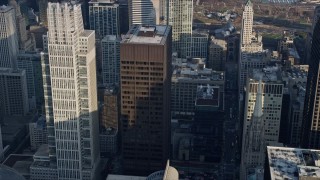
x=145 y=98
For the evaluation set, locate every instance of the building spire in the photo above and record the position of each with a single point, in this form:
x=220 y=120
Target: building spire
x=249 y=3
x=257 y=112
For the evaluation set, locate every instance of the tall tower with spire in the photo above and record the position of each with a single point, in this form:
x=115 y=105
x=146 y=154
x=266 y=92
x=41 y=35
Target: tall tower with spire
x=253 y=148
x=247 y=23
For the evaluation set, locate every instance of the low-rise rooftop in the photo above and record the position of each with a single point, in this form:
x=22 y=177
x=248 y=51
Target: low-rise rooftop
x=194 y=69
x=293 y=163
x=156 y=34
x=207 y=96
x=267 y=74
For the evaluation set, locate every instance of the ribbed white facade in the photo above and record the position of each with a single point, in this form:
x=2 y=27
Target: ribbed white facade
x=145 y=12
x=247 y=23
x=9 y=47
x=71 y=93
x=181 y=18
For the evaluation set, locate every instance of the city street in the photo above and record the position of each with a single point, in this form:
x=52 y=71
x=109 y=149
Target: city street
x=231 y=155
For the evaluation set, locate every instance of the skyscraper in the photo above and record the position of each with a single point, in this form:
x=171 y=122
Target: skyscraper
x=145 y=62
x=247 y=23
x=110 y=47
x=104 y=17
x=310 y=129
x=146 y=12
x=251 y=51
x=13 y=92
x=8 y=37
x=181 y=18
x=71 y=94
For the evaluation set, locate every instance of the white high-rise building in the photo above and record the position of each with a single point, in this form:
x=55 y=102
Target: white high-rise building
x=70 y=89
x=181 y=18
x=104 y=17
x=147 y=12
x=110 y=59
x=9 y=47
x=251 y=50
x=247 y=23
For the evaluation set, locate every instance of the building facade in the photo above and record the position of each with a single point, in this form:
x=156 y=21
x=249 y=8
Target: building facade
x=145 y=98
x=199 y=43
x=14 y=92
x=181 y=18
x=104 y=17
x=31 y=63
x=9 y=38
x=38 y=133
x=70 y=87
x=217 y=54
x=310 y=130
x=253 y=151
x=25 y=41
x=110 y=59
x=146 y=12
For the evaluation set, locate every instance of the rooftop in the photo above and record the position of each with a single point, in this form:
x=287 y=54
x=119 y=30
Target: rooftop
x=111 y=38
x=5 y=8
x=123 y=177
x=207 y=95
x=9 y=173
x=43 y=151
x=267 y=74
x=141 y=34
x=10 y=71
x=292 y=163
x=194 y=69
x=101 y=1
x=296 y=72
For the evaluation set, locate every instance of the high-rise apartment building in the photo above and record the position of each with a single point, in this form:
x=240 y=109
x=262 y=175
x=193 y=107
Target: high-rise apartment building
x=104 y=17
x=70 y=87
x=13 y=91
x=311 y=130
x=110 y=59
x=8 y=37
x=145 y=98
x=146 y=12
x=181 y=18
